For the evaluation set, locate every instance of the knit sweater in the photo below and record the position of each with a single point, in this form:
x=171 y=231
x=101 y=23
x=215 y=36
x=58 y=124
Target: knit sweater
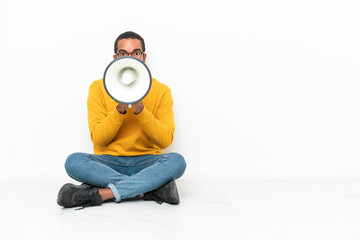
x=130 y=134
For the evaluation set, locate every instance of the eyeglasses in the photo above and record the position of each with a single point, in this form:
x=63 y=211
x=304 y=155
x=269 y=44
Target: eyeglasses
x=136 y=53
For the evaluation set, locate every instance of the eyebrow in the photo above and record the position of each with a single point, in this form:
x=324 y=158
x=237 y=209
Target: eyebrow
x=127 y=51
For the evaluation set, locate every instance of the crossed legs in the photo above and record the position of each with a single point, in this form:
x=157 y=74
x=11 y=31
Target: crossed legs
x=125 y=177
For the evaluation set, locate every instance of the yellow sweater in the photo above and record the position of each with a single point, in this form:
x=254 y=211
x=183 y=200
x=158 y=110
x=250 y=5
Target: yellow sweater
x=128 y=134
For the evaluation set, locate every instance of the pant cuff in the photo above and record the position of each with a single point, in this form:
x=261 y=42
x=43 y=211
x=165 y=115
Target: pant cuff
x=115 y=192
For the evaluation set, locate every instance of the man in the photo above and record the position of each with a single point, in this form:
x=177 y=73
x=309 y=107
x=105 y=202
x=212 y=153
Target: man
x=127 y=160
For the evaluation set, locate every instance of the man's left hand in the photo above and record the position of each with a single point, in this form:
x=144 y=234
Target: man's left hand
x=138 y=107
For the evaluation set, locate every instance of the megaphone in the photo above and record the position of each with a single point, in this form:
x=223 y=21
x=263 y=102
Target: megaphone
x=127 y=80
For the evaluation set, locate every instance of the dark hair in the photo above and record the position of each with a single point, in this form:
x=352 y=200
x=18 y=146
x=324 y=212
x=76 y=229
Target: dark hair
x=127 y=35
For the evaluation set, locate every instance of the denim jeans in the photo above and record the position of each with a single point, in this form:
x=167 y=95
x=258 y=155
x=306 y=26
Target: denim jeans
x=126 y=176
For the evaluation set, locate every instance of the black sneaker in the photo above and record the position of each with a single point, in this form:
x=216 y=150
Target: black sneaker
x=166 y=193
x=71 y=195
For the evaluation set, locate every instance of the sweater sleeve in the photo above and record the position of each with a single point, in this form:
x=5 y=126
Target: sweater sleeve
x=103 y=126
x=161 y=127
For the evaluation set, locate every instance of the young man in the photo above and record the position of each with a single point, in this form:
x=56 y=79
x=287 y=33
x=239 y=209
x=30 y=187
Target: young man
x=127 y=160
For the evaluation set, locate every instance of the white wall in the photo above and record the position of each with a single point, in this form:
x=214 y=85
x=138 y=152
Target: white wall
x=262 y=89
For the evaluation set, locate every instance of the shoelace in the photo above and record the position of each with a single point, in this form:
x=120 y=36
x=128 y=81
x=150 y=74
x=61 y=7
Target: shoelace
x=83 y=197
x=157 y=199
x=90 y=204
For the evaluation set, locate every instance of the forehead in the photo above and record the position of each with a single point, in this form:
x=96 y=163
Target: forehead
x=129 y=44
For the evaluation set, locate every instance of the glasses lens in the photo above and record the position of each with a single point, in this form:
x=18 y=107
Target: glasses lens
x=136 y=53
x=123 y=53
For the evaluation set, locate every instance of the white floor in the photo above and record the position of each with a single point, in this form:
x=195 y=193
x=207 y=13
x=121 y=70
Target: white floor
x=253 y=210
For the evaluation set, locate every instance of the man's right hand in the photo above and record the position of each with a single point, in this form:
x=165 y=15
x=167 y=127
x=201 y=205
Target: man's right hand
x=122 y=108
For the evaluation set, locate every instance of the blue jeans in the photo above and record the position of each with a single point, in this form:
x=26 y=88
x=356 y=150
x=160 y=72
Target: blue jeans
x=126 y=176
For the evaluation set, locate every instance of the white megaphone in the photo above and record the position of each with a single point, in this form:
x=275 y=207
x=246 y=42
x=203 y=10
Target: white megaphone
x=127 y=80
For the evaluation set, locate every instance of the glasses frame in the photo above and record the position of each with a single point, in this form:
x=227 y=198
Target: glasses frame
x=131 y=53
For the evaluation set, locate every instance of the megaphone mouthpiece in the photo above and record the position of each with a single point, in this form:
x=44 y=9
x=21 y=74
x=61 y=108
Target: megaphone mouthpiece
x=127 y=76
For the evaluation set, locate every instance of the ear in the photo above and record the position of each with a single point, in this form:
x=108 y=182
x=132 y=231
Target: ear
x=114 y=56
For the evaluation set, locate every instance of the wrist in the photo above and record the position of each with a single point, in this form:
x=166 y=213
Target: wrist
x=121 y=108
x=121 y=111
x=138 y=111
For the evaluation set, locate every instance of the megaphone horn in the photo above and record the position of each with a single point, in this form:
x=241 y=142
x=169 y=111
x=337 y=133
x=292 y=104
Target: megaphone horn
x=127 y=80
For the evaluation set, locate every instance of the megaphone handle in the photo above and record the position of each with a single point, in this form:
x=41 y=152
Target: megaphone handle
x=129 y=106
